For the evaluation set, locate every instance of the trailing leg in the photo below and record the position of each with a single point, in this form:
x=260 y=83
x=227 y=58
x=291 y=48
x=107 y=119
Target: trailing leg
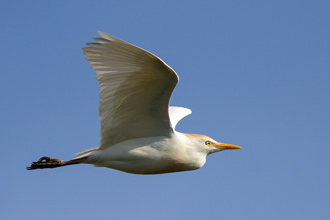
x=48 y=162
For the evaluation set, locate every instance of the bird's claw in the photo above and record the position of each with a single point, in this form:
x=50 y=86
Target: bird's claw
x=45 y=159
x=45 y=162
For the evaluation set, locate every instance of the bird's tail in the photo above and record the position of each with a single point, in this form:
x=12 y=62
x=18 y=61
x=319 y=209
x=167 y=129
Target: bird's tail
x=86 y=153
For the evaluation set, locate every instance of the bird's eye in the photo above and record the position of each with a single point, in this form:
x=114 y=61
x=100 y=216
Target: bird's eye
x=208 y=143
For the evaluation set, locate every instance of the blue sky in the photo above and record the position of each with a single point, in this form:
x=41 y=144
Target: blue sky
x=255 y=74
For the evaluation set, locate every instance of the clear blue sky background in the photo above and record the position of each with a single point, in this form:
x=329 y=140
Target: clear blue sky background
x=254 y=73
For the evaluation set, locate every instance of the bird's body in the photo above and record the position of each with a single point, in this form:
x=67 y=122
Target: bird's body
x=137 y=125
x=151 y=155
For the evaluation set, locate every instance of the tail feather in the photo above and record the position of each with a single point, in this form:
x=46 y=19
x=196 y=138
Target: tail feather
x=85 y=153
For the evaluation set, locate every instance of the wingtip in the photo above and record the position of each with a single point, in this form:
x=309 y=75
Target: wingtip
x=110 y=37
x=104 y=35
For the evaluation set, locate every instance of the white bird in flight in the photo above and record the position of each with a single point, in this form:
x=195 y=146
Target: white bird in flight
x=137 y=125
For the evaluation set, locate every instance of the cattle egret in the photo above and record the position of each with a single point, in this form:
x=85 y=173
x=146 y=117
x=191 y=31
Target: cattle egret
x=137 y=125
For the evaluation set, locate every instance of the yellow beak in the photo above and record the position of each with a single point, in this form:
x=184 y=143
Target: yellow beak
x=223 y=146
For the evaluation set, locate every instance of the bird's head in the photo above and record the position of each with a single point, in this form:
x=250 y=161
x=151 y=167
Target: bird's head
x=209 y=145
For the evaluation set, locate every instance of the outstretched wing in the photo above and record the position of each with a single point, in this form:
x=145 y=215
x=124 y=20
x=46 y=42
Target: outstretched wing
x=177 y=113
x=135 y=89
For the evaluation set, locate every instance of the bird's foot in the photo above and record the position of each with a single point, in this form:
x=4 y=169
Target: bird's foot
x=46 y=162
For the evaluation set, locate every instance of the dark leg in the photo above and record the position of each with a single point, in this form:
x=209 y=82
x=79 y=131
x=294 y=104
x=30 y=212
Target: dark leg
x=48 y=162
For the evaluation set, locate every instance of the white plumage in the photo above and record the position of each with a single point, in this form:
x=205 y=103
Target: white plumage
x=135 y=89
x=137 y=125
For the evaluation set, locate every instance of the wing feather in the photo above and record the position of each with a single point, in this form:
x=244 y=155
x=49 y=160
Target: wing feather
x=135 y=90
x=177 y=113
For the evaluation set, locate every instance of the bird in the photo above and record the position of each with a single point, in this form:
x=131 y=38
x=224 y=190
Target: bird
x=137 y=132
